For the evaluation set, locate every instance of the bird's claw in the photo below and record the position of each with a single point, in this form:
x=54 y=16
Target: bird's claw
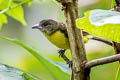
x=70 y=63
x=61 y=52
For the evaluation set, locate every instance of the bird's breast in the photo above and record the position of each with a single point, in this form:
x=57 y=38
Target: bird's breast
x=59 y=39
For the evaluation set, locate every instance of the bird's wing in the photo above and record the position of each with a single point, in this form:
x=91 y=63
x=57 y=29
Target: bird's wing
x=62 y=28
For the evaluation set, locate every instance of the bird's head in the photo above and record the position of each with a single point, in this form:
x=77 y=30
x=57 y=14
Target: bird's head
x=47 y=26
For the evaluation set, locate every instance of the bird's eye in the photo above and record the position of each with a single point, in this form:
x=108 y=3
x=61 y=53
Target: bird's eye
x=45 y=24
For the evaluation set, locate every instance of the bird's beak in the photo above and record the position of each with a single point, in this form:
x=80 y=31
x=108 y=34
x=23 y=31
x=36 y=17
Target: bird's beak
x=37 y=26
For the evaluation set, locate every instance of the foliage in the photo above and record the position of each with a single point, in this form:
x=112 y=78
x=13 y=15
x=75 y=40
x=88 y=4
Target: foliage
x=3 y=19
x=13 y=9
x=102 y=23
x=29 y=2
x=113 y=3
x=118 y=74
x=11 y=73
x=50 y=66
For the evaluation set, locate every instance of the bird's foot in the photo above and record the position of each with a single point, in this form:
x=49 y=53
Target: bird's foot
x=70 y=63
x=61 y=52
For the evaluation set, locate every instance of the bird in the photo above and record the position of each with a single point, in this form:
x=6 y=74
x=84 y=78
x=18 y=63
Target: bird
x=56 y=33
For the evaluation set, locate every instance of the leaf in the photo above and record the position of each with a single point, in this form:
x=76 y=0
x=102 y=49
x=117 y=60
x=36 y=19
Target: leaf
x=63 y=66
x=118 y=74
x=16 y=13
x=102 y=23
x=3 y=19
x=29 y=2
x=28 y=77
x=11 y=73
x=53 y=70
x=113 y=3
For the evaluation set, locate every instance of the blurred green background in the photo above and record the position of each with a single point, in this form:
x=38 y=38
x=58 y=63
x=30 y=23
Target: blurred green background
x=49 y=9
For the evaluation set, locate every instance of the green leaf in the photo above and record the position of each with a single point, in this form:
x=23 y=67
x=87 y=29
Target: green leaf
x=63 y=66
x=29 y=2
x=28 y=77
x=118 y=74
x=113 y=3
x=16 y=12
x=53 y=70
x=11 y=73
x=3 y=19
x=102 y=23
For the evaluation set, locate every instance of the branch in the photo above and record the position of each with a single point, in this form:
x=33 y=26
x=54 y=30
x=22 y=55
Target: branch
x=76 y=40
x=97 y=62
x=102 y=40
x=101 y=61
x=99 y=39
x=114 y=44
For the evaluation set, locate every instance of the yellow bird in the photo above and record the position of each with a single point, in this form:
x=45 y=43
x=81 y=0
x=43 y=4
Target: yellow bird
x=56 y=33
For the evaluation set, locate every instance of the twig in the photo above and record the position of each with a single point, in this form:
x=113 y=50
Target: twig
x=5 y=10
x=116 y=46
x=101 y=61
x=102 y=40
x=99 y=39
x=97 y=62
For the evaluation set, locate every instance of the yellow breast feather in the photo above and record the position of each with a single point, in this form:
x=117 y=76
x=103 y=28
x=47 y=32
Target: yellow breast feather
x=59 y=39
